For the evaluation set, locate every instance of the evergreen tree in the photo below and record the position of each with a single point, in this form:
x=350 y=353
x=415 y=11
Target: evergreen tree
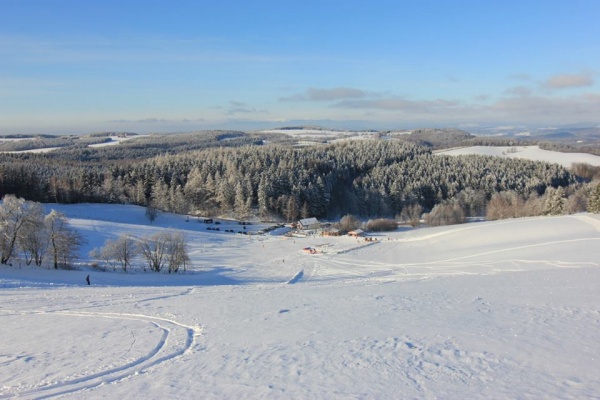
x=594 y=200
x=554 y=201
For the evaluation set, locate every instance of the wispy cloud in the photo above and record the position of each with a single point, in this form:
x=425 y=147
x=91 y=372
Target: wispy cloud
x=518 y=91
x=521 y=77
x=238 y=107
x=566 y=81
x=155 y=121
x=399 y=104
x=332 y=94
x=552 y=109
x=36 y=50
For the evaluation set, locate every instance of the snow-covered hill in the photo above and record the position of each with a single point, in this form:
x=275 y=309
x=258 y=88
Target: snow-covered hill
x=528 y=152
x=505 y=309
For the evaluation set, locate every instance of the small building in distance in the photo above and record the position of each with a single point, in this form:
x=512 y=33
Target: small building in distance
x=331 y=232
x=356 y=233
x=309 y=224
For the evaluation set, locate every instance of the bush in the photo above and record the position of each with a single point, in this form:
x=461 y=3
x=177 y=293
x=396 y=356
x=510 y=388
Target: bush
x=446 y=214
x=381 y=225
x=411 y=215
x=505 y=205
x=349 y=223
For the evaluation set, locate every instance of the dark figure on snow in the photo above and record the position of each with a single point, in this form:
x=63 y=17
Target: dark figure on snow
x=87 y=279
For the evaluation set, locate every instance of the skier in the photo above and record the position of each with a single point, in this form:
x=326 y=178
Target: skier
x=87 y=279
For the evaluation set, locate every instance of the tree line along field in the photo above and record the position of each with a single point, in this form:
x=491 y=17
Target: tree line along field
x=367 y=178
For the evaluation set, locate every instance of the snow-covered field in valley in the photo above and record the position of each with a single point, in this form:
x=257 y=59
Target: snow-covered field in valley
x=505 y=309
x=528 y=152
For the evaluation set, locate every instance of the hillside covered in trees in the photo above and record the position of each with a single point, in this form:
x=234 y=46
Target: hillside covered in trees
x=367 y=178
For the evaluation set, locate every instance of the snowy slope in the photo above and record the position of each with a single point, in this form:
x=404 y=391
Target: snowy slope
x=528 y=152
x=505 y=309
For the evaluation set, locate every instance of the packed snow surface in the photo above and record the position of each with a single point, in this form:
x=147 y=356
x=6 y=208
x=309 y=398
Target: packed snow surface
x=506 y=309
x=528 y=152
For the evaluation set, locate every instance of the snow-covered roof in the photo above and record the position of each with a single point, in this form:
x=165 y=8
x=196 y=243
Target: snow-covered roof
x=356 y=232
x=308 y=221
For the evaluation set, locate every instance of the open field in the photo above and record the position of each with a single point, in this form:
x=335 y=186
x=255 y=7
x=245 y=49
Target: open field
x=484 y=310
x=533 y=153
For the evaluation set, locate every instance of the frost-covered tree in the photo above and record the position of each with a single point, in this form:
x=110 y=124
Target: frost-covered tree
x=594 y=200
x=504 y=205
x=165 y=249
x=411 y=214
x=349 y=223
x=120 y=251
x=155 y=250
x=178 y=252
x=15 y=214
x=64 y=242
x=446 y=214
x=34 y=238
x=555 y=201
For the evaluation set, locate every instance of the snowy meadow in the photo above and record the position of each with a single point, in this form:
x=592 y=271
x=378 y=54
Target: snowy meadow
x=504 y=309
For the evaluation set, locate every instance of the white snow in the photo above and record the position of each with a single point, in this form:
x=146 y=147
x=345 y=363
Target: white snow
x=312 y=136
x=505 y=309
x=115 y=140
x=528 y=152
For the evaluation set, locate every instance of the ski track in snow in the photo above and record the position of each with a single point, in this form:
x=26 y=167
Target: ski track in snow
x=454 y=262
x=176 y=340
x=269 y=330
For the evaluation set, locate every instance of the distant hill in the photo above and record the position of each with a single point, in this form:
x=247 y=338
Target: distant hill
x=432 y=137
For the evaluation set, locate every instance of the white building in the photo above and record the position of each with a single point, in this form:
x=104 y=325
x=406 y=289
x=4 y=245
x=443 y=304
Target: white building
x=308 y=223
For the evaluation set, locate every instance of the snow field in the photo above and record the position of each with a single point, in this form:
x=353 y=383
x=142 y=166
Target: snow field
x=528 y=152
x=505 y=309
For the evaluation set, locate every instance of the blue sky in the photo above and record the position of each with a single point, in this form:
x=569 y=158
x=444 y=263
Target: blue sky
x=160 y=66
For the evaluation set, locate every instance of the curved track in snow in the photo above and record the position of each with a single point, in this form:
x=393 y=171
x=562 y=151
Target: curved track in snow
x=176 y=340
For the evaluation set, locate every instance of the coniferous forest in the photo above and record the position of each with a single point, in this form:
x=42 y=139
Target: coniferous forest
x=240 y=175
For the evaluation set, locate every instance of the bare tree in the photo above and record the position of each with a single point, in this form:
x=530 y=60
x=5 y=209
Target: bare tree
x=33 y=239
x=349 y=223
x=178 y=253
x=155 y=250
x=577 y=201
x=165 y=249
x=119 y=251
x=151 y=213
x=446 y=214
x=411 y=214
x=504 y=205
x=63 y=241
x=14 y=215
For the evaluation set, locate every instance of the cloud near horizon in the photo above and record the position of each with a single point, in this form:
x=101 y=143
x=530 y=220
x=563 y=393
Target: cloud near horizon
x=314 y=94
x=566 y=81
x=153 y=120
x=518 y=91
x=399 y=104
x=528 y=108
x=238 y=107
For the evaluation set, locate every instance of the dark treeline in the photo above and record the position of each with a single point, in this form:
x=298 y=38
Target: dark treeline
x=369 y=178
x=567 y=148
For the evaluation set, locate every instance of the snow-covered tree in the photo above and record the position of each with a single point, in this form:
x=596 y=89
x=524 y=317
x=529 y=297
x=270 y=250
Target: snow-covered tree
x=349 y=223
x=554 y=201
x=63 y=240
x=594 y=200
x=120 y=251
x=34 y=238
x=165 y=249
x=15 y=213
